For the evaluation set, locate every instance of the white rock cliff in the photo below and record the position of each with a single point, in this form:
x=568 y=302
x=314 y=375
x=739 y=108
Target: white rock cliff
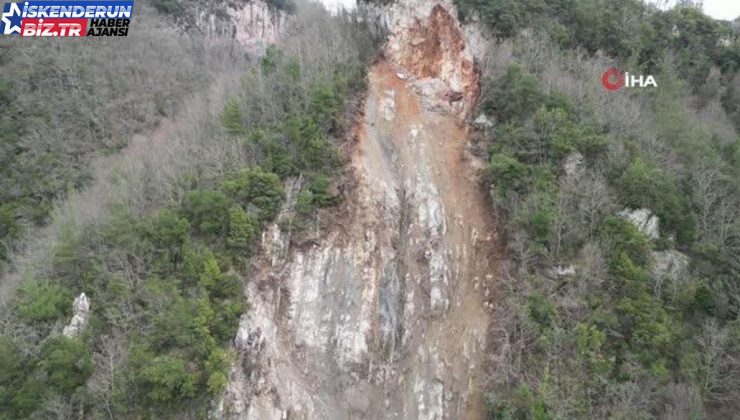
x=385 y=317
x=80 y=317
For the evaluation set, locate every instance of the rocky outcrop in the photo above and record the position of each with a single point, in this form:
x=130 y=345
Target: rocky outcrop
x=483 y=122
x=80 y=317
x=572 y=163
x=644 y=220
x=386 y=316
x=437 y=54
x=253 y=23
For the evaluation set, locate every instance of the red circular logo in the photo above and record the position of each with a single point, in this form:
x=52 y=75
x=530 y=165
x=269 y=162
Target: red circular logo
x=612 y=79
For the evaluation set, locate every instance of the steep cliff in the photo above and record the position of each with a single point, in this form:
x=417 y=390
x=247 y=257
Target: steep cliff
x=255 y=24
x=385 y=317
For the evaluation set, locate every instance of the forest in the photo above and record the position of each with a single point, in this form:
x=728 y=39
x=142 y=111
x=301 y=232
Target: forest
x=646 y=325
x=165 y=248
x=597 y=317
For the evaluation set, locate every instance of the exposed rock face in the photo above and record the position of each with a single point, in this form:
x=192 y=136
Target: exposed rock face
x=427 y=40
x=257 y=25
x=483 y=122
x=253 y=23
x=645 y=221
x=385 y=317
x=572 y=163
x=81 y=314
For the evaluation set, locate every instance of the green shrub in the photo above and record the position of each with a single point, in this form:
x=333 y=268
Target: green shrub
x=639 y=185
x=507 y=173
x=319 y=188
x=43 y=302
x=232 y=119
x=258 y=188
x=207 y=211
x=504 y=17
x=539 y=225
x=217 y=368
x=556 y=133
x=243 y=228
x=642 y=185
x=518 y=141
x=19 y=389
x=622 y=236
x=648 y=327
x=270 y=60
x=229 y=287
x=166 y=380
x=541 y=310
x=67 y=363
x=590 y=343
x=518 y=97
x=703 y=302
x=172 y=324
x=324 y=107
x=313 y=152
x=590 y=144
x=11 y=362
x=168 y=231
x=211 y=273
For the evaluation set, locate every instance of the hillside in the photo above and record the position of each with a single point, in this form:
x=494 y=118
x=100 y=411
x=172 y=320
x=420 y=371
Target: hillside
x=414 y=210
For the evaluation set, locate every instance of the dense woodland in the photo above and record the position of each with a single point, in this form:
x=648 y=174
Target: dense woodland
x=620 y=338
x=164 y=253
x=168 y=247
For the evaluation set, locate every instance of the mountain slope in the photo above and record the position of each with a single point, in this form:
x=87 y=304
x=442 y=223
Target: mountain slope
x=386 y=316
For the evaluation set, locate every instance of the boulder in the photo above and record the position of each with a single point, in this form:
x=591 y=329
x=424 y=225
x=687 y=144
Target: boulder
x=483 y=122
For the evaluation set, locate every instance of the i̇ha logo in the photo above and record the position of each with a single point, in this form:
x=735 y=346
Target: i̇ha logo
x=613 y=80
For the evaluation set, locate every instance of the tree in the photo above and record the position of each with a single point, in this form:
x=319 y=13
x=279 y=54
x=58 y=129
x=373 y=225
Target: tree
x=207 y=211
x=211 y=274
x=165 y=380
x=243 y=227
x=507 y=173
x=67 y=363
x=258 y=188
x=43 y=302
x=324 y=107
x=646 y=186
x=168 y=232
x=502 y=16
x=232 y=118
x=518 y=97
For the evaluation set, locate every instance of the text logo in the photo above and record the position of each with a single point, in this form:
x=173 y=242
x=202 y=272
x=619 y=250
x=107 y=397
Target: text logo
x=613 y=80
x=67 y=18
